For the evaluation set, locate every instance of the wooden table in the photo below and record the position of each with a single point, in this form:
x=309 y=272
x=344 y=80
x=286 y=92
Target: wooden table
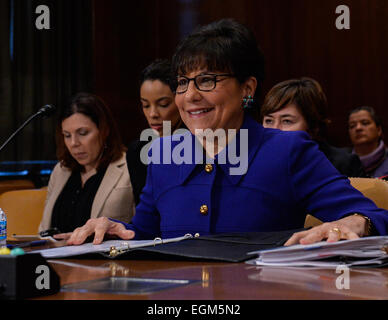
x=222 y=281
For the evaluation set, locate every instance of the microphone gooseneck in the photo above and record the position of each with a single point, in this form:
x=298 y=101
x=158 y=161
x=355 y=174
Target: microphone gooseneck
x=46 y=110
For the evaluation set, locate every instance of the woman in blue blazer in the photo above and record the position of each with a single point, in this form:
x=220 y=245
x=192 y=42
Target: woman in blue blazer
x=228 y=173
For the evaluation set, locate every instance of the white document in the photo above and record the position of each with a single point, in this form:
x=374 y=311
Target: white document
x=68 y=251
x=315 y=263
x=362 y=251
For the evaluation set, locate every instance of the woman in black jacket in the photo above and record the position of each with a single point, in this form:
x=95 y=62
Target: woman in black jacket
x=300 y=104
x=158 y=103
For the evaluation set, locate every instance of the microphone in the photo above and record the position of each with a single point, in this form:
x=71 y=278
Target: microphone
x=46 y=111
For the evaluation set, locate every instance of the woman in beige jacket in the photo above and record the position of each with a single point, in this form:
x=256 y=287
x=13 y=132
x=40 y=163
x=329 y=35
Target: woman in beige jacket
x=91 y=179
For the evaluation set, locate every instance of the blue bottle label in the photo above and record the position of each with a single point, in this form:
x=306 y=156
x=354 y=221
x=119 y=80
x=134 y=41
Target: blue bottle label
x=3 y=230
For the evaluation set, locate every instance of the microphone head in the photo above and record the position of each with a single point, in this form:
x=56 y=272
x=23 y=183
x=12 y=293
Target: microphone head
x=47 y=110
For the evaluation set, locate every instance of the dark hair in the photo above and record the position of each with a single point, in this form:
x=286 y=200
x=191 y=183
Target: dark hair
x=307 y=95
x=225 y=46
x=159 y=69
x=372 y=113
x=94 y=108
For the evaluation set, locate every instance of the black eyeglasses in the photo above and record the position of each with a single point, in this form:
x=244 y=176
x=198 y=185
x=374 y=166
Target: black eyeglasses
x=203 y=82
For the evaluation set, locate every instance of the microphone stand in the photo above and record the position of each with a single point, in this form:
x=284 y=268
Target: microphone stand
x=40 y=112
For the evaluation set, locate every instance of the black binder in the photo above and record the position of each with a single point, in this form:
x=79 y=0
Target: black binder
x=226 y=247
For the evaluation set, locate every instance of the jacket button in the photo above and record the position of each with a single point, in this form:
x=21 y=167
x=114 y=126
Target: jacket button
x=204 y=209
x=208 y=168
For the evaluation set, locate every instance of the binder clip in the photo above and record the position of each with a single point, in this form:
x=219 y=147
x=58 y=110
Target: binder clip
x=113 y=251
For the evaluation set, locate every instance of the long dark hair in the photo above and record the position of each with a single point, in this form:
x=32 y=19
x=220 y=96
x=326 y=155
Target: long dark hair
x=94 y=108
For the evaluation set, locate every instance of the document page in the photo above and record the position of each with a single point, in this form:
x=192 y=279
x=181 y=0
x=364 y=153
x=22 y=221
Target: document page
x=360 y=251
x=68 y=251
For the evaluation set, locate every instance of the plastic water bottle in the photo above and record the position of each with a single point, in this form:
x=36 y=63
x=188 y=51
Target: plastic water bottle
x=3 y=228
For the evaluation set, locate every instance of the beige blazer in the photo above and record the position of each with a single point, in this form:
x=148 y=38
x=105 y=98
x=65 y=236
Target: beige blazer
x=114 y=197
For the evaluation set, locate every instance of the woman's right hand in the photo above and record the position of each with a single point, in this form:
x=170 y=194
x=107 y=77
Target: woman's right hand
x=98 y=226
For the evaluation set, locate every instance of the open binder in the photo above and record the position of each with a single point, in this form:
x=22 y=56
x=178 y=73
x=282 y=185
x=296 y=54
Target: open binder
x=227 y=247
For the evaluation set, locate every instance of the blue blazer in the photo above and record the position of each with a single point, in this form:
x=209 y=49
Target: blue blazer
x=286 y=178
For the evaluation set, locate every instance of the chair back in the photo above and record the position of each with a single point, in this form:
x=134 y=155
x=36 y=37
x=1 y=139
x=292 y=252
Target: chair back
x=372 y=188
x=24 y=210
x=8 y=185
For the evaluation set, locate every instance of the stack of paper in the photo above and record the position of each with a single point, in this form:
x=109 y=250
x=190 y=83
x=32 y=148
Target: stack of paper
x=363 y=251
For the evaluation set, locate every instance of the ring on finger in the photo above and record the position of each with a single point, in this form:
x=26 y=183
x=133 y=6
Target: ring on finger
x=337 y=230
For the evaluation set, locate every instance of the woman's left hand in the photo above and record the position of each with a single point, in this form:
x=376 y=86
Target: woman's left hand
x=349 y=228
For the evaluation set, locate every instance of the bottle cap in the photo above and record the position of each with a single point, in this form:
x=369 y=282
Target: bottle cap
x=4 y=251
x=17 y=252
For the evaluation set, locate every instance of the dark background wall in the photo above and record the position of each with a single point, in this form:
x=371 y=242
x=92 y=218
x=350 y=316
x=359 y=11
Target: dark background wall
x=298 y=37
x=102 y=45
x=41 y=66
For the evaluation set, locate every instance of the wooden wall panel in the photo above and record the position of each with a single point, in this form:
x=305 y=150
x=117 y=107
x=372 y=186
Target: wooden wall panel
x=298 y=37
x=127 y=36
